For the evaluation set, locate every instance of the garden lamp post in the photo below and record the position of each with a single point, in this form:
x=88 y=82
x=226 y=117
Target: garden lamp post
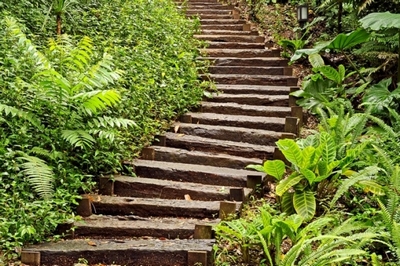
x=302 y=14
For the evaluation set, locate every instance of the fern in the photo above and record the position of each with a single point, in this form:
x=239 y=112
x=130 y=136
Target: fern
x=365 y=174
x=39 y=173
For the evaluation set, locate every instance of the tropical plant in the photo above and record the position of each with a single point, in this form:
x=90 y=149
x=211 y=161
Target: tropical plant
x=387 y=23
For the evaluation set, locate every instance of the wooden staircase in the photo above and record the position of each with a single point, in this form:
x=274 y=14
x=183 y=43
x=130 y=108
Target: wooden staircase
x=194 y=175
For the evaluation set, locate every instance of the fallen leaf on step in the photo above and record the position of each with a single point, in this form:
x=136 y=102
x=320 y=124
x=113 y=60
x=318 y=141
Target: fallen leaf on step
x=187 y=197
x=91 y=243
x=181 y=135
x=176 y=128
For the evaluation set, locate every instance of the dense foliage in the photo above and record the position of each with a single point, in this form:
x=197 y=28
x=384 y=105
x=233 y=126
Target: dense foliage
x=336 y=201
x=83 y=86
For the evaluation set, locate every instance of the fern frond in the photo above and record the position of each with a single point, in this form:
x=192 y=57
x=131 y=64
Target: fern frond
x=15 y=112
x=78 y=138
x=39 y=173
x=365 y=174
x=383 y=125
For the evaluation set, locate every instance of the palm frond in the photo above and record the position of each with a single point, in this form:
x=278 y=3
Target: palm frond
x=97 y=100
x=15 y=31
x=105 y=122
x=40 y=175
x=15 y=112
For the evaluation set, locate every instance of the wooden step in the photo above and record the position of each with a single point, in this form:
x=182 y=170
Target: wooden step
x=169 y=154
x=234 y=61
x=231 y=38
x=146 y=207
x=231 y=27
x=253 y=89
x=122 y=252
x=228 y=32
x=211 y=16
x=280 y=80
x=128 y=186
x=209 y=11
x=256 y=122
x=104 y=226
x=239 y=134
x=250 y=70
x=235 y=45
x=194 y=173
x=241 y=53
x=220 y=146
x=251 y=99
x=214 y=6
x=204 y=21
x=244 y=110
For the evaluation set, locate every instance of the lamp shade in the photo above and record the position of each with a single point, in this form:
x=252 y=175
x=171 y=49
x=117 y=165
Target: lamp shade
x=302 y=13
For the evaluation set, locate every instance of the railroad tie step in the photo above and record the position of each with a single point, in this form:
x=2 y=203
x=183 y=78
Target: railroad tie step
x=204 y=21
x=140 y=187
x=256 y=122
x=234 y=45
x=128 y=226
x=211 y=16
x=253 y=89
x=254 y=61
x=241 y=53
x=232 y=108
x=231 y=38
x=238 y=134
x=147 y=207
x=177 y=155
x=242 y=149
x=228 y=32
x=250 y=70
x=193 y=173
x=124 y=252
x=250 y=99
x=275 y=80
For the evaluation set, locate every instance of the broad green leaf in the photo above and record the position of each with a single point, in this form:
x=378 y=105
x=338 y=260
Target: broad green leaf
x=342 y=72
x=380 y=21
x=322 y=168
x=316 y=60
x=304 y=203
x=328 y=148
x=287 y=203
x=308 y=154
x=309 y=175
x=330 y=73
x=291 y=151
x=287 y=183
x=346 y=41
x=315 y=50
x=256 y=167
x=275 y=168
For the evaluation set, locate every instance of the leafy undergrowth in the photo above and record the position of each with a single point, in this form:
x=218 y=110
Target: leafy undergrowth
x=76 y=105
x=334 y=199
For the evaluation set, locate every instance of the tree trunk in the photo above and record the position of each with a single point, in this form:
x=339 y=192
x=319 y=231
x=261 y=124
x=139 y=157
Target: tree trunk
x=58 y=24
x=340 y=12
